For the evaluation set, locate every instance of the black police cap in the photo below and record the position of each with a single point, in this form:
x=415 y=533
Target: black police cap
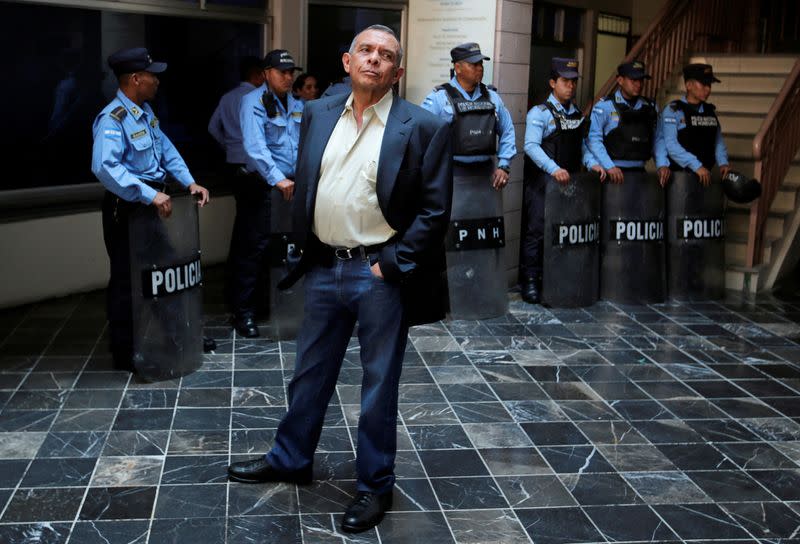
x=740 y=188
x=700 y=72
x=280 y=59
x=467 y=52
x=564 y=67
x=134 y=59
x=633 y=70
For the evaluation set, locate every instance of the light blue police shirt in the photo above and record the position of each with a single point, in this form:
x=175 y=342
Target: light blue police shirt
x=270 y=143
x=438 y=103
x=605 y=119
x=539 y=124
x=133 y=150
x=224 y=124
x=673 y=121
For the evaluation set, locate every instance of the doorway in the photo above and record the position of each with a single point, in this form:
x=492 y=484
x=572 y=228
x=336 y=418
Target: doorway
x=331 y=28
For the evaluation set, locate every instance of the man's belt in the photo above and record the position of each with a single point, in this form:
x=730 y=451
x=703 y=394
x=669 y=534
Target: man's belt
x=349 y=253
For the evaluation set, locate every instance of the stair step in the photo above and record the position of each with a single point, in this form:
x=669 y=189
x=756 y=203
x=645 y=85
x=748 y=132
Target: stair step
x=777 y=64
x=736 y=251
x=742 y=279
x=736 y=83
x=783 y=203
x=738 y=102
x=740 y=123
x=737 y=222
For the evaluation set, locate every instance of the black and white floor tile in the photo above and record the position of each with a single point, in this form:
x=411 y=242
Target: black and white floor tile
x=676 y=422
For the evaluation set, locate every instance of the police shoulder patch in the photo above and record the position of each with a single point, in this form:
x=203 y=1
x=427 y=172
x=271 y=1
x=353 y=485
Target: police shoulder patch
x=118 y=113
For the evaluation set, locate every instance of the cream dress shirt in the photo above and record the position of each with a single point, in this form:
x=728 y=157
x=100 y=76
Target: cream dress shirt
x=346 y=212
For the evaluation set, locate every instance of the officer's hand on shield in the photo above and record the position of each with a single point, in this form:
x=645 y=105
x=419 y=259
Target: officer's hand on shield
x=704 y=175
x=615 y=174
x=724 y=169
x=163 y=204
x=286 y=187
x=561 y=176
x=196 y=189
x=499 y=179
x=601 y=172
x=663 y=176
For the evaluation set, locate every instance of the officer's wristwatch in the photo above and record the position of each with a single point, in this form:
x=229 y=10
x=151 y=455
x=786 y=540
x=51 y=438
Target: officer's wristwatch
x=505 y=169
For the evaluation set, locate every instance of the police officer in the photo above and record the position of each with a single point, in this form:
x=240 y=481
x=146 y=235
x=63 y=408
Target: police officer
x=554 y=147
x=623 y=131
x=270 y=119
x=692 y=132
x=224 y=124
x=476 y=113
x=132 y=158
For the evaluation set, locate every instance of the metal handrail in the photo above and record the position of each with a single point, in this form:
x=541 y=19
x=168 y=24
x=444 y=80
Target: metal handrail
x=774 y=149
x=680 y=27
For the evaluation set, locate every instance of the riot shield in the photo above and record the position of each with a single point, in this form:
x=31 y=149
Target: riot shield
x=696 y=238
x=476 y=272
x=571 y=265
x=632 y=230
x=166 y=283
x=285 y=307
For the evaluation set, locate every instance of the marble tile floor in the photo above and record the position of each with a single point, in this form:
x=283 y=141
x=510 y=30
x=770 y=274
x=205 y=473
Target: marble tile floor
x=676 y=422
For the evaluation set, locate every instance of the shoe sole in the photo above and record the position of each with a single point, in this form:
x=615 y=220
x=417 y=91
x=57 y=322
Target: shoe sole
x=353 y=529
x=256 y=481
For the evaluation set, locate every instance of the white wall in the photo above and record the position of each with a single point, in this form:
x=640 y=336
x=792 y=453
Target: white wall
x=57 y=256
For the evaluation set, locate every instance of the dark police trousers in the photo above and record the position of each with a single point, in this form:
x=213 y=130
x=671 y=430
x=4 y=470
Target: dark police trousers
x=249 y=242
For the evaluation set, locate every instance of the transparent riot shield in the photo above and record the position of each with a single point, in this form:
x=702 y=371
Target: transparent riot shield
x=476 y=270
x=285 y=306
x=571 y=266
x=166 y=283
x=696 y=238
x=632 y=253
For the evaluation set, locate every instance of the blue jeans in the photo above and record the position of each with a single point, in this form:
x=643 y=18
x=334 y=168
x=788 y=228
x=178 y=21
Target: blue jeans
x=335 y=298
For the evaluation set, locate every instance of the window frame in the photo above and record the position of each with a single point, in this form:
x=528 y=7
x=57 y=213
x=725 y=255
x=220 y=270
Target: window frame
x=58 y=200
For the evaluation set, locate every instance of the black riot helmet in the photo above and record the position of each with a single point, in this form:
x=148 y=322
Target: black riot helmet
x=740 y=188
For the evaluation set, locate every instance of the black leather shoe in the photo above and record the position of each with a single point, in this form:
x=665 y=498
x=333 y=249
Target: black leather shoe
x=530 y=291
x=246 y=327
x=366 y=511
x=259 y=470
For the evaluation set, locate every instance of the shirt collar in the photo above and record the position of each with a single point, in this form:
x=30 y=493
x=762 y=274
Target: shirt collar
x=698 y=106
x=621 y=100
x=559 y=106
x=475 y=92
x=135 y=110
x=382 y=107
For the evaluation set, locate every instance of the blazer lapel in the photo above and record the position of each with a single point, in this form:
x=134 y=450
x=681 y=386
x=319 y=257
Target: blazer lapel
x=324 y=123
x=393 y=148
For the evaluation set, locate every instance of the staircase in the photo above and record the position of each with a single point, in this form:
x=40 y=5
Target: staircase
x=750 y=85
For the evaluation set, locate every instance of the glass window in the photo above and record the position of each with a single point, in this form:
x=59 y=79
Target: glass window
x=330 y=31
x=61 y=81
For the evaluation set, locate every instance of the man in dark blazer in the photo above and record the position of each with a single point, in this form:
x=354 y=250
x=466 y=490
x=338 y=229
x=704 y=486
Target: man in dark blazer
x=373 y=195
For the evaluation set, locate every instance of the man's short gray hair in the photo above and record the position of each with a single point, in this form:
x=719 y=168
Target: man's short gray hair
x=385 y=30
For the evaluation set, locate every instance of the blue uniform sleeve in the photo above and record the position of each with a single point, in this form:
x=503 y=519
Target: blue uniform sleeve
x=173 y=163
x=507 y=147
x=589 y=160
x=659 y=146
x=720 y=150
x=535 y=128
x=594 y=140
x=215 y=125
x=671 y=120
x=433 y=102
x=252 y=117
x=107 y=150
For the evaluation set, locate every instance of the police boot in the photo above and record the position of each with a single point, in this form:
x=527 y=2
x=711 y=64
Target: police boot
x=531 y=288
